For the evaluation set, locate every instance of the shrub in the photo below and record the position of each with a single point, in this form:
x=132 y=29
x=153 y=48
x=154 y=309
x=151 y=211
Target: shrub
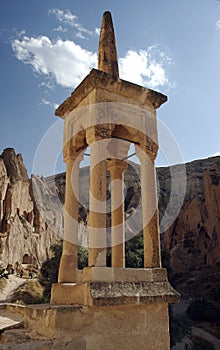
x=180 y=327
x=134 y=252
x=201 y=310
x=201 y=344
x=31 y=292
x=3 y=272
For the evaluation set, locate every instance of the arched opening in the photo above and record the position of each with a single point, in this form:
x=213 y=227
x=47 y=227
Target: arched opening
x=27 y=259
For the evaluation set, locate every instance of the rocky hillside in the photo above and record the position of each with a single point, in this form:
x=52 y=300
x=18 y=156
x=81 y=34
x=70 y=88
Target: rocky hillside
x=31 y=211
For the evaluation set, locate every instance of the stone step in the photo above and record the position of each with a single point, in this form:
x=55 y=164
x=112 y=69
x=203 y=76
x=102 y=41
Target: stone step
x=32 y=345
x=9 y=320
x=20 y=339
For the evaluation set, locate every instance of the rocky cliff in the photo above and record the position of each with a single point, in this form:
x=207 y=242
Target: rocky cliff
x=26 y=232
x=31 y=211
x=193 y=240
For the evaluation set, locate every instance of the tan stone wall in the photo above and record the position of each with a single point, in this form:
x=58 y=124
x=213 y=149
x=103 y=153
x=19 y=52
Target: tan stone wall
x=128 y=327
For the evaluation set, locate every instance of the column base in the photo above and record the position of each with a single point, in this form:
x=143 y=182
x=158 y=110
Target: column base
x=68 y=276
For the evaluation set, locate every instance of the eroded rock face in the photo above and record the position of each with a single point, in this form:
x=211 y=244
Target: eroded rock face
x=194 y=238
x=25 y=235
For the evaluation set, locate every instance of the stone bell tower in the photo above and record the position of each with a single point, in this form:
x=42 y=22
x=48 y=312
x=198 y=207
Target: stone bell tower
x=121 y=308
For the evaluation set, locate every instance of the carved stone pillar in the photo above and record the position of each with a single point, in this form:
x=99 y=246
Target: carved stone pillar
x=151 y=235
x=116 y=168
x=69 y=264
x=97 y=204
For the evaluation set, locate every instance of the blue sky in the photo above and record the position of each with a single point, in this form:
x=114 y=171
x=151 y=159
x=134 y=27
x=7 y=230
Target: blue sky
x=172 y=46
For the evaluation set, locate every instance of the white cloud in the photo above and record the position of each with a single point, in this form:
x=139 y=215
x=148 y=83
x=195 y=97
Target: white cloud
x=80 y=35
x=48 y=103
x=65 y=61
x=2 y=31
x=217 y=25
x=21 y=33
x=66 y=17
x=60 y=29
x=97 y=31
x=146 y=67
x=49 y=84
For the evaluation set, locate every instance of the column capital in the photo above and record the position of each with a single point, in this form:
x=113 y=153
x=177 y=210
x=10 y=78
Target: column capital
x=143 y=153
x=116 y=167
x=70 y=154
x=149 y=147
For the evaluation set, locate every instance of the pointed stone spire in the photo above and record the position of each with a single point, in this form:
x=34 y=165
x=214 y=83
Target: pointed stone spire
x=108 y=60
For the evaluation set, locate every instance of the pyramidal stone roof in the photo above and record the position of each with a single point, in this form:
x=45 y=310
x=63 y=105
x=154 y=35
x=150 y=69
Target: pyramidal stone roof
x=106 y=77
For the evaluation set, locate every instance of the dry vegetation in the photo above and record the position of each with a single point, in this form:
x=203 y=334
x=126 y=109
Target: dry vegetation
x=2 y=283
x=31 y=292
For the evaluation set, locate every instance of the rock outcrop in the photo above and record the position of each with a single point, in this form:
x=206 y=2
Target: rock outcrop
x=193 y=240
x=25 y=235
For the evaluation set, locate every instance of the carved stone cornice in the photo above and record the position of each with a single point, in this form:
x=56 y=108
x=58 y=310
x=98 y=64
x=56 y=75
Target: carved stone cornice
x=104 y=81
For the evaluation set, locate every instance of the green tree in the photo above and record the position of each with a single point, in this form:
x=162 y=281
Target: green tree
x=134 y=252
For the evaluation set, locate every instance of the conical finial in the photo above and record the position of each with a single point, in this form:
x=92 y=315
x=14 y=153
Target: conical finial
x=108 y=60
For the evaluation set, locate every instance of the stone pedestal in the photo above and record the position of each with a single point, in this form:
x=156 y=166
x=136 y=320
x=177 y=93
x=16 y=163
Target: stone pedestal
x=110 y=309
x=124 y=327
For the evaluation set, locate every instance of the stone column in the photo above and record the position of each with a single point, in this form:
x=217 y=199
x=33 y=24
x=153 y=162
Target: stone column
x=151 y=234
x=116 y=168
x=97 y=204
x=68 y=263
